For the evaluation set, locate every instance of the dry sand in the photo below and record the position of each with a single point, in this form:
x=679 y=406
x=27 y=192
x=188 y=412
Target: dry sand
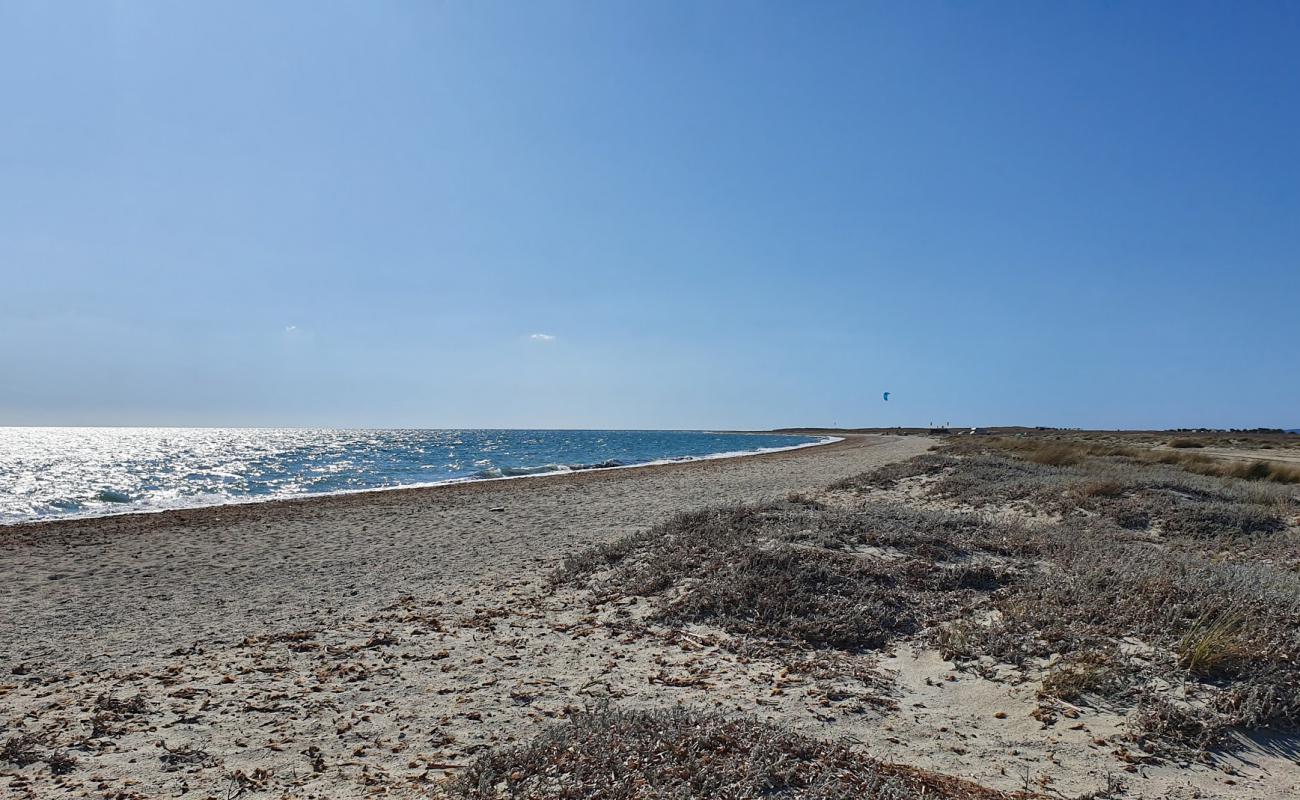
x=371 y=644
x=103 y=592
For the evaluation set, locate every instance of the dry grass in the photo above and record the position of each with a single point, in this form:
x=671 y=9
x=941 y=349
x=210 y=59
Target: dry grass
x=1101 y=488
x=1199 y=571
x=1056 y=455
x=1260 y=471
x=795 y=574
x=1215 y=646
x=1101 y=673
x=1164 y=725
x=818 y=598
x=639 y=755
x=1217 y=601
x=1216 y=500
x=1064 y=452
x=1238 y=673
x=887 y=476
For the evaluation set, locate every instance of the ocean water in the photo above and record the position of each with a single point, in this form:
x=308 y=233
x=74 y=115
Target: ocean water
x=64 y=472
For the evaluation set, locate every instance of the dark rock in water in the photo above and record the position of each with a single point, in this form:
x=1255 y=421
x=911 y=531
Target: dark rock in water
x=113 y=496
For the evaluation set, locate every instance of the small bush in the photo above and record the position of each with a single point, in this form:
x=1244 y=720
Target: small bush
x=886 y=476
x=640 y=755
x=1100 y=673
x=801 y=595
x=1175 y=728
x=1283 y=473
x=1101 y=488
x=1058 y=455
x=1255 y=471
x=1264 y=471
x=1186 y=443
x=1217 y=467
x=1262 y=702
x=983 y=480
x=1222 y=520
x=1233 y=631
x=934 y=535
x=794 y=574
x=1191 y=500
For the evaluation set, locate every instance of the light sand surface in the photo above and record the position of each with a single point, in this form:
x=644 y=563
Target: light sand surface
x=1277 y=455
x=373 y=644
x=103 y=592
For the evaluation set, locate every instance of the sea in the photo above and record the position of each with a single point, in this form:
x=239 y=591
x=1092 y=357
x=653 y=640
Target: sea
x=48 y=473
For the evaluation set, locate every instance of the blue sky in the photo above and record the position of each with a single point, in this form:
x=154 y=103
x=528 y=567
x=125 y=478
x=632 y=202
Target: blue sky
x=716 y=214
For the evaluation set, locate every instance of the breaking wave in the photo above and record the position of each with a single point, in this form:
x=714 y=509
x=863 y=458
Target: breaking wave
x=64 y=472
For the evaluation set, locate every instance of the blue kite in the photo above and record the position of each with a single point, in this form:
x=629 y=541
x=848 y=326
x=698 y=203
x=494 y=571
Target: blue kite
x=886 y=397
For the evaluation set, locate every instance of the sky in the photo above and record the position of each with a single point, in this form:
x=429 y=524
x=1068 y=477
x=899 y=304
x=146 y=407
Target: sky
x=650 y=215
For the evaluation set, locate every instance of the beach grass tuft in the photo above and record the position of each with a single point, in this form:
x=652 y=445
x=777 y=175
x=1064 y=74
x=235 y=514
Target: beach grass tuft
x=1215 y=646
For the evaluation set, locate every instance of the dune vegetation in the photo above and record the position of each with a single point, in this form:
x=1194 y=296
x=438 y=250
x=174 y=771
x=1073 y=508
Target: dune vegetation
x=1163 y=584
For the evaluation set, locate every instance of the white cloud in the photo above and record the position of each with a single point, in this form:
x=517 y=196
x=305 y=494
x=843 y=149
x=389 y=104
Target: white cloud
x=297 y=336
x=541 y=337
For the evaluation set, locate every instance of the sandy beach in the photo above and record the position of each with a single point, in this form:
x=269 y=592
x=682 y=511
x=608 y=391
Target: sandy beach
x=104 y=592
x=376 y=644
x=649 y=401
x=120 y=604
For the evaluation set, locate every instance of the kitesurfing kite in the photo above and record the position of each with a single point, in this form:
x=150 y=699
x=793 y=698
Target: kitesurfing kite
x=886 y=397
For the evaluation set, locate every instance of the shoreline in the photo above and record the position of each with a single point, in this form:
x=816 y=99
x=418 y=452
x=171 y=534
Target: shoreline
x=114 y=588
x=326 y=645
x=333 y=646
x=825 y=440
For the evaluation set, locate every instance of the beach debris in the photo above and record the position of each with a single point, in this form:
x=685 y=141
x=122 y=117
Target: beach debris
x=21 y=749
x=177 y=758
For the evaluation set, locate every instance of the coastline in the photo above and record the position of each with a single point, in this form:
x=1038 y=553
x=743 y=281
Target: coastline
x=343 y=645
x=382 y=596
x=824 y=439
x=171 y=574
